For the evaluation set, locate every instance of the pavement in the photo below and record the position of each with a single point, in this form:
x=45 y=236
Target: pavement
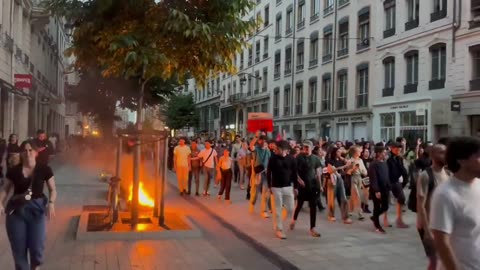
x=341 y=246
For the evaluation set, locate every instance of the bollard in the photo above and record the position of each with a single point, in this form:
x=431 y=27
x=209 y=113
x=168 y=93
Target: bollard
x=119 y=157
x=136 y=181
x=156 y=165
x=163 y=175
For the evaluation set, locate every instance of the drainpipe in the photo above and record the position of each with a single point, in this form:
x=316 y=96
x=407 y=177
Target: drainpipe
x=456 y=22
x=334 y=61
x=11 y=108
x=293 y=87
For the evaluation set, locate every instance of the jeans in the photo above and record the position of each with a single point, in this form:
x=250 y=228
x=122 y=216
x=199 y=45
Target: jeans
x=242 y=175
x=282 y=197
x=26 y=230
x=337 y=191
x=182 y=177
x=226 y=184
x=261 y=188
x=209 y=173
x=312 y=204
x=194 y=173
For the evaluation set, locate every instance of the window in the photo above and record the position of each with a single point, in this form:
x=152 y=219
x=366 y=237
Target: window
x=264 y=107
x=413 y=9
x=389 y=7
x=249 y=86
x=257 y=51
x=298 y=98
x=257 y=82
x=363 y=28
x=265 y=79
x=278 y=27
x=276 y=71
x=266 y=15
x=342 y=90
x=258 y=18
x=439 y=10
x=234 y=87
x=242 y=61
x=250 y=56
x=265 y=47
x=314 y=9
x=288 y=60
x=389 y=82
x=276 y=102
x=289 y=26
x=229 y=92
x=300 y=54
x=328 y=4
x=411 y=58
x=301 y=14
x=312 y=95
x=413 y=126
x=327 y=43
x=314 y=49
x=362 y=81
x=438 y=53
x=343 y=37
x=387 y=126
x=326 y=92
x=286 y=100
x=475 y=54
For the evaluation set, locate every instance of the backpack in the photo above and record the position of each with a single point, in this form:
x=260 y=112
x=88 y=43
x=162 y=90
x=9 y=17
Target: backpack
x=412 y=198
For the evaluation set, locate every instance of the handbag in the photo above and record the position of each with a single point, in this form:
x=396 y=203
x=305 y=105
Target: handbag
x=366 y=181
x=203 y=162
x=19 y=200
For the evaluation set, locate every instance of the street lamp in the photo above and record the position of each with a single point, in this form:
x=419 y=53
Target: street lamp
x=244 y=76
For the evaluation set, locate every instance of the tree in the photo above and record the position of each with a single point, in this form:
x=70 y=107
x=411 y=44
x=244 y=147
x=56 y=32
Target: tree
x=181 y=112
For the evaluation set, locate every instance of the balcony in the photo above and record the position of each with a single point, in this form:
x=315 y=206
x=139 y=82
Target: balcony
x=286 y=111
x=342 y=3
x=279 y=2
x=312 y=107
x=437 y=15
x=314 y=17
x=475 y=85
x=325 y=105
x=313 y=62
x=276 y=75
x=327 y=58
x=237 y=98
x=275 y=112
x=342 y=52
x=256 y=91
x=436 y=84
x=362 y=100
x=387 y=92
x=475 y=5
x=257 y=59
x=265 y=55
x=328 y=10
x=298 y=109
x=301 y=24
x=249 y=61
x=299 y=67
x=364 y=44
x=288 y=70
x=388 y=33
x=289 y=31
x=411 y=24
x=264 y=89
x=277 y=37
x=410 y=88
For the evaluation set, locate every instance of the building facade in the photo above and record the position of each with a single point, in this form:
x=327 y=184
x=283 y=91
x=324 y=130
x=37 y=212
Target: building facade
x=32 y=44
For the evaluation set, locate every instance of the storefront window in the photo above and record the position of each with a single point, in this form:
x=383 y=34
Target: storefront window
x=387 y=126
x=413 y=126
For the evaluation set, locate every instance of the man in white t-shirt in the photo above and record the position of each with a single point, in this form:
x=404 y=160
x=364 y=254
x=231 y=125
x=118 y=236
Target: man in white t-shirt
x=181 y=163
x=455 y=208
x=209 y=159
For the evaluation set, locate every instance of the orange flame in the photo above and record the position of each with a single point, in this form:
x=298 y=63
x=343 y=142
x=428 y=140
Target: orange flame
x=143 y=197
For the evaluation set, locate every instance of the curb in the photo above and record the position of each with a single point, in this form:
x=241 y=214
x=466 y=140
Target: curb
x=271 y=256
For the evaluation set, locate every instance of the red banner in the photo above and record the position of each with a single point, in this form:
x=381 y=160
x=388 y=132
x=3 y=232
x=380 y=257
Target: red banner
x=23 y=81
x=260 y=121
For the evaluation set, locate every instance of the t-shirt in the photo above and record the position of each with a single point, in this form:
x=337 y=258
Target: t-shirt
x=225 y=163
x=210 y=163
x=41 y=174
x=195 y=162
x=423 y=184
x=455 y=210
x=306 y=168
x=181 y=154
x=44 y=155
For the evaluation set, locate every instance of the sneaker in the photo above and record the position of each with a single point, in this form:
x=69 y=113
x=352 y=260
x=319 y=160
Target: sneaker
x=204 y=193
x=366 y=210
x=361 y=217
x=332 y=219
x=281 y=235
x=347 y=221
x=242 y=187
x=402 y=225
x=208 y=193
x=265 y=215
x=196 y=194
x=380 y=230
x=219 y=197
x=314 y=233
x=292 y=225
x=228 y=201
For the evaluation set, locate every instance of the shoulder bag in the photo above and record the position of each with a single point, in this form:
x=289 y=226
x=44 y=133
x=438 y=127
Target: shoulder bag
x=202 y=163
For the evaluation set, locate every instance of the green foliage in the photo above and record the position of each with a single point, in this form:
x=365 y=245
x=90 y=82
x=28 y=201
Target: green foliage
x=181 y=112
x=144 y=39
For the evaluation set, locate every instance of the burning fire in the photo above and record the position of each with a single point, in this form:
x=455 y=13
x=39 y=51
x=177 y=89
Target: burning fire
x=143 y=198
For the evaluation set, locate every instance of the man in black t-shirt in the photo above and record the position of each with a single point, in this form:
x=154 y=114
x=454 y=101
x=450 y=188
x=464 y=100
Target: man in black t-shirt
x=45 y=152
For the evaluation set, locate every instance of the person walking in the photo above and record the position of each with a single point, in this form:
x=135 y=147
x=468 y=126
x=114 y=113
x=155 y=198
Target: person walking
x=258 y=181
x=281 y=174
x=357 y=172
x=336 y=166
x=208 y=158
x=13 y=151
x=28 y=207
x=235 y=149
x=241 y=161
x=455 y=212
x=427 y=182
x=225 y=164
x=195 y=168
x=309 y=171
x=379 y=186
x=45 y=152
x=181 y=164
x=397 y=175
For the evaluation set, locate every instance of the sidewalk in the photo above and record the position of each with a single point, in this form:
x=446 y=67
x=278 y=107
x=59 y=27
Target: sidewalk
x=341 y=246
x=78 y=186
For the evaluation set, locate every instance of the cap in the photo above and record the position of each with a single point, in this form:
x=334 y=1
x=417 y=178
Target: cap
x=308 y=143
x=396 y=145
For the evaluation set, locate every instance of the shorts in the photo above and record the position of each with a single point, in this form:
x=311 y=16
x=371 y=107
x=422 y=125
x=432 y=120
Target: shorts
x=427 y=244
x=397 y=191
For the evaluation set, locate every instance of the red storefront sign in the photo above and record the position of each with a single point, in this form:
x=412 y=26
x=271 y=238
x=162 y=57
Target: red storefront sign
x=23 y=81
x=260 y=121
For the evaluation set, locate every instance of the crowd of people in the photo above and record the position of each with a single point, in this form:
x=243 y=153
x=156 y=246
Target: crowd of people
x=353 y=175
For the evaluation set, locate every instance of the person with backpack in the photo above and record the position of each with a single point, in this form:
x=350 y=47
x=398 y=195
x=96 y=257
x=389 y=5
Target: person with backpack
x=427 y=181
